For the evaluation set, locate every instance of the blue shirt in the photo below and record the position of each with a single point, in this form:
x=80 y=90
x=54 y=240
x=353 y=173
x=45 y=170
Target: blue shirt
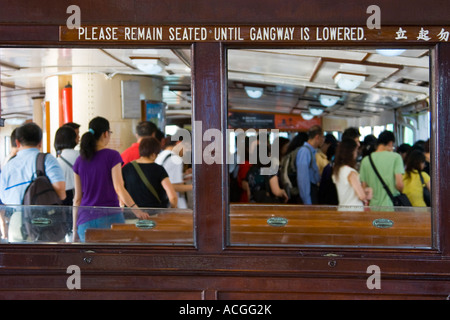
x=307 y=171
x=18 y=173
x=0 y=176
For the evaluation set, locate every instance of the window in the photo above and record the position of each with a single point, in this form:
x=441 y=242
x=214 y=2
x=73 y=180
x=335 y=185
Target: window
x=124 y=86
x=292 y=86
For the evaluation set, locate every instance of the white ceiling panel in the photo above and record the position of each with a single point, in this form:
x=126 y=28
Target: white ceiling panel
x=292 y=78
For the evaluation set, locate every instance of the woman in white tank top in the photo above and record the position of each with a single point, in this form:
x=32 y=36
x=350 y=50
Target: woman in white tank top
x=348 y=185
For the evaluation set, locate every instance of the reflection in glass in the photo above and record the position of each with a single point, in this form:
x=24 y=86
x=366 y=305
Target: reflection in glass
x=389 y=94
x=291 y=225
x=52 y=224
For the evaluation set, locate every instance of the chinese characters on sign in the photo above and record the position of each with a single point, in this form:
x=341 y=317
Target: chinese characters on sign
x=423 y=35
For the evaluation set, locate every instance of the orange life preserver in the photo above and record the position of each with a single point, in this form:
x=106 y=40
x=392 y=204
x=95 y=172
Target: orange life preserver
x=66 y=114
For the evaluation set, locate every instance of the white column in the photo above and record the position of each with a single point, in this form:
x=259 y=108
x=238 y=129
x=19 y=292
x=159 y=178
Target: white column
x=96 y=95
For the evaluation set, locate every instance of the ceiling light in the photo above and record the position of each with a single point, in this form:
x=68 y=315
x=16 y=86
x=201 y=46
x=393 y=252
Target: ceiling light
x=149 y=66
x=390 y=52
x=254 y=92
x=307 y=115
x=315 y=111
x=328 y=100
x=347 y=81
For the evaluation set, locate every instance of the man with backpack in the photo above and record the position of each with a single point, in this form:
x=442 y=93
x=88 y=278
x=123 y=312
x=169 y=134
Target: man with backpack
x=19 y=173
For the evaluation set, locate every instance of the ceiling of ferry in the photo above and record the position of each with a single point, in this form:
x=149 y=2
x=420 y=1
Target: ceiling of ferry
x=292 y=79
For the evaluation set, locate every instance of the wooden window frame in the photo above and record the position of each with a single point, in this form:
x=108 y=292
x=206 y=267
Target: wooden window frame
x=212 y=269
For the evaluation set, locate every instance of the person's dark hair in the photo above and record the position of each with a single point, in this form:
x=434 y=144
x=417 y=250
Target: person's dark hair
x=88 y=145
x=149 y=146
x=385 y=137
x=369 y=145
x=73 y=125
x=159 y=135
x=426 y=146
x=298 y=141
x=404 y=148
x=168 y=142
x=146 y=129
x=29 y=134
x=351 y=133
x=13 y=138
x=419 y=145
x=344 y=155
x=314 y=131
x=65 y=138
x=414 y=162
x=331 y=151
x=330 y=139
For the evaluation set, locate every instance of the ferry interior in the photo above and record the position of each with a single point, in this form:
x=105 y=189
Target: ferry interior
x=389 y=89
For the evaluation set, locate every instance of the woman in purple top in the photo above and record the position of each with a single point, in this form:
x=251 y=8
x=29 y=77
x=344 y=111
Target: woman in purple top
x=99 y=182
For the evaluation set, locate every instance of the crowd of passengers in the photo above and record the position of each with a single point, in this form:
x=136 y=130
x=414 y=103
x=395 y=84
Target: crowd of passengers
x=146 y=175
x=313 y=169
x=318 y=169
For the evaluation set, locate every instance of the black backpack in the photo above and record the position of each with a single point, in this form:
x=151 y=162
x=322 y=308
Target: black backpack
x=43 y=223
x=40 y=191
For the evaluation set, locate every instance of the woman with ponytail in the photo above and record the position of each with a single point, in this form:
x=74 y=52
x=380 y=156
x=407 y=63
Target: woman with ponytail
x=99 y=181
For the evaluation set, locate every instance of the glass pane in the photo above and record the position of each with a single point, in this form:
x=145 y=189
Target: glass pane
x=141 y=93
x=409 y=136
x=269 y=225
x=54 y=224
x=316 y=186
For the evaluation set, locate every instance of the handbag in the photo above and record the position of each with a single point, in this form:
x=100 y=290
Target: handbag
x=399 y=201
x=426 y=191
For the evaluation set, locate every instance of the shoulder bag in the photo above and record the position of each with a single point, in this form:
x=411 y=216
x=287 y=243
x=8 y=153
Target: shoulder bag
x=426 y=191
x=145 y=180
x=399 y=201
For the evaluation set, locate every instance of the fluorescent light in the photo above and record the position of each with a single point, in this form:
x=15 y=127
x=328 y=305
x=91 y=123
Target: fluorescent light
x=149 y=66
x=328 y=100
x=348 y=82
x=254 y=92
x=390 y=52
x=15 y=121
x=315 y=111
x=307 y=115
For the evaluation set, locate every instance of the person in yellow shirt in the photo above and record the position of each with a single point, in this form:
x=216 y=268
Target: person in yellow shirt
x=413 y=187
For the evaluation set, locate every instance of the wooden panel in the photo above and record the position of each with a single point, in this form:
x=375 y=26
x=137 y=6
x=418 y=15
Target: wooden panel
x=440 y=150
x=33 y=271
x=130 y=12
x=210 y=191
x=248 y=225
x=100 y=295
x=306 y=226
x=170 y=228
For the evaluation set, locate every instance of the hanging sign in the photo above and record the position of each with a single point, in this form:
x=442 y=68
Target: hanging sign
x=282 y=122
x=254 y=34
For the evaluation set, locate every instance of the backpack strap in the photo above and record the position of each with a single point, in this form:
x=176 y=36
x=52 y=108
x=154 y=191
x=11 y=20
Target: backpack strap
x=40 y=164
x=313 y=158
x=421 y=179
x=145 y=180
x=66 y=161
